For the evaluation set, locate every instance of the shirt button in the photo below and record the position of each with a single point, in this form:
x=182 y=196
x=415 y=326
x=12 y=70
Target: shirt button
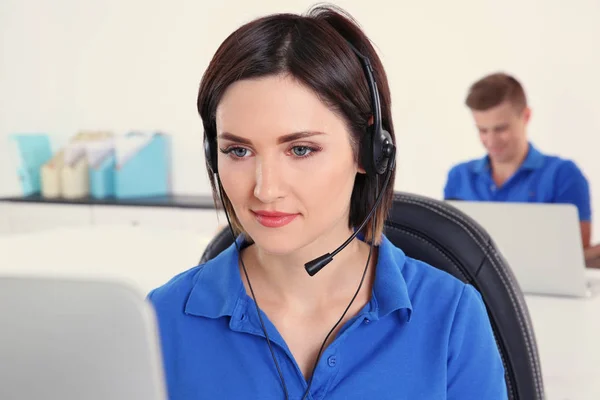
x=367 y=320
x=331 y=361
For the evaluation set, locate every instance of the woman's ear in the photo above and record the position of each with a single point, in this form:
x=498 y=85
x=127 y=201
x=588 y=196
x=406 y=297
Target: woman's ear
x=361 y=169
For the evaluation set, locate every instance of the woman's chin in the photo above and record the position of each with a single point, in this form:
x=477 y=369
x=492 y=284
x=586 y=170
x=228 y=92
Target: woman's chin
x=275 y=244
x=276 y=241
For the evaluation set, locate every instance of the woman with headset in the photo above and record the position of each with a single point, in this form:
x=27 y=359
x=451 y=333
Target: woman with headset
x=300 y=148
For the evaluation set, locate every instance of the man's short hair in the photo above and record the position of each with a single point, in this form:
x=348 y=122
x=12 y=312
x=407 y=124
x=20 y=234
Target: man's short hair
x=492 y=90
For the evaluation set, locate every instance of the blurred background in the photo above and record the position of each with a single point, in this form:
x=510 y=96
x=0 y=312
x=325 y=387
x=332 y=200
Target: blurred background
x=119 y=66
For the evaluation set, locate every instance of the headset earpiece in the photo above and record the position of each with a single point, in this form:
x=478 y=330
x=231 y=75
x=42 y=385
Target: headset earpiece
x=382 y=150
x=376 y=151
x=210 y=152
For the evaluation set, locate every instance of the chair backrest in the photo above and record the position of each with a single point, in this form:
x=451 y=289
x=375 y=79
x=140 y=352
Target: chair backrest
x=444 y=237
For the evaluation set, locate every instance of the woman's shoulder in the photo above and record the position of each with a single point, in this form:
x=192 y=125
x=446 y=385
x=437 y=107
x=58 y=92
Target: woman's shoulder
x=450 y=313
x=428 y=292
x=420 y=276
x=435 y=289
x=205 y=283
x=177 y=289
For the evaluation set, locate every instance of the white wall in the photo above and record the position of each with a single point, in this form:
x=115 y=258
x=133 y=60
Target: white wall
x=66 y=65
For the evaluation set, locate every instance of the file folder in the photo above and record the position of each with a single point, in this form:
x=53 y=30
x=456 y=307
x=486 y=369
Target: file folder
x=51 y=186
x=102 y=177
x=29 y=152
x=74 y=178
x=74 y=172
x=67 y=174
x=102 y=162
x=142 y=168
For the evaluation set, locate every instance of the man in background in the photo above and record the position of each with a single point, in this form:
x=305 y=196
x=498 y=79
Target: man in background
x=513 y=169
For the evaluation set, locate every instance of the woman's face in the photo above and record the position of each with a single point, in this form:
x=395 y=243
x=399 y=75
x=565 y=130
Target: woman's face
x=285 y=162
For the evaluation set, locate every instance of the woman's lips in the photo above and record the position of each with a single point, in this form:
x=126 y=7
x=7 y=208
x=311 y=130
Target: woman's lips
x=274 y=219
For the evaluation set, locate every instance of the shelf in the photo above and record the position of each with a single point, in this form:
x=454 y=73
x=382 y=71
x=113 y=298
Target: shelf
x=174 y=201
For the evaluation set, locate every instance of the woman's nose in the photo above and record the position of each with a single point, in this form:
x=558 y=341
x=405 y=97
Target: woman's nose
x=269 y=181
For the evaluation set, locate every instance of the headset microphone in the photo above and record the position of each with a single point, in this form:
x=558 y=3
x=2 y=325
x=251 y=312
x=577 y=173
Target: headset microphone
x=314 y=266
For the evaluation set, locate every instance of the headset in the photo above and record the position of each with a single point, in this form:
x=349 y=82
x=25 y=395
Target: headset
x=377 y=157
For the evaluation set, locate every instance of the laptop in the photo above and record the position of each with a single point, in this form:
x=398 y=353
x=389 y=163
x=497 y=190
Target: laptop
x=74 y=339
x=541 y=243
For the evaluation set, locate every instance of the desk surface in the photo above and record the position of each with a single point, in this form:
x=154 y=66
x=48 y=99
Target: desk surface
x=567 y=330
x=143 y=257
x=568 y=337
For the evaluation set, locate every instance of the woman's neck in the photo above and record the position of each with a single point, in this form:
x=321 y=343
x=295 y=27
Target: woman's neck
x=282 y=279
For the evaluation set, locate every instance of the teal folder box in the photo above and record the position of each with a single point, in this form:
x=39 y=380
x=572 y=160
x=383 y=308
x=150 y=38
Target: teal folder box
x=31 y=152
x=145 y=173
x=102 y=177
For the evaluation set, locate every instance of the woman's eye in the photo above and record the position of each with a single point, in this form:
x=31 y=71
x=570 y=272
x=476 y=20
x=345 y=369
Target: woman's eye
x=239 y=152
x=301 y=151
x=236 y=152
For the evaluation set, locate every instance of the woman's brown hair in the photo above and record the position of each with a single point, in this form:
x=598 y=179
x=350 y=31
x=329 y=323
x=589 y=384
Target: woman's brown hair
x=312 y=48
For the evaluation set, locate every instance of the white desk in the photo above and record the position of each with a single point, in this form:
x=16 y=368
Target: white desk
x=567 y=330
x=143 y=257
x=568 y=339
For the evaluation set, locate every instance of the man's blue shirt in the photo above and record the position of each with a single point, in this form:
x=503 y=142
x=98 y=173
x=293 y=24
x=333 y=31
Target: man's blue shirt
x=423 y=335
x=540 y=179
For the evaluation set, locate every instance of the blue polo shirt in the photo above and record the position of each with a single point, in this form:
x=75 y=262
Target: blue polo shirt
x=540 y=179
x=423 y=335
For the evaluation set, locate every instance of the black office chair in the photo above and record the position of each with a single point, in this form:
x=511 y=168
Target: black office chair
x=446 y=238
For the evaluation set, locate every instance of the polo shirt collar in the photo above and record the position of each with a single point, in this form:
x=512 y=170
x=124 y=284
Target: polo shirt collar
x=482 y=165
x=218 y=284
x=534 y=160
x=389 y=289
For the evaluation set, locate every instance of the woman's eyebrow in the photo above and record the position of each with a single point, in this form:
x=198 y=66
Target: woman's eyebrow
x=298 y=135
x=234 y=138
x=282 y=139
